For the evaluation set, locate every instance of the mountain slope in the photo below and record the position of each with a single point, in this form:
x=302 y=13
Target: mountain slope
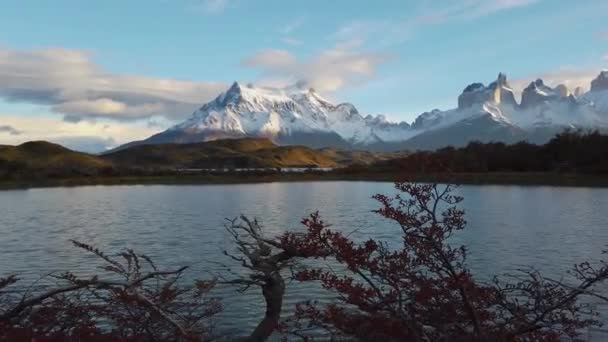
x=483 y=128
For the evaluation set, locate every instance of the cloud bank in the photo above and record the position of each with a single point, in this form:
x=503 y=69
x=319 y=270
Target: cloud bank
x=73 y=85
x=332 y=69
x=9 y=130
x=84 y=136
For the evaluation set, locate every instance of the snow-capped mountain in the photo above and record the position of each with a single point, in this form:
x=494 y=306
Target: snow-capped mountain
x=491 y=113
x=292 y=115
x=296 y=115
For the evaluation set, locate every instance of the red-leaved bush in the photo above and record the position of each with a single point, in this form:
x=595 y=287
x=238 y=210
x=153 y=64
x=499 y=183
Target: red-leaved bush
x=423 y=290
x=133 y=301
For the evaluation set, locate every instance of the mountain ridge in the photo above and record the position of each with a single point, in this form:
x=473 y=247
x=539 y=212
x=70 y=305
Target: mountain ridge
x=299 y=116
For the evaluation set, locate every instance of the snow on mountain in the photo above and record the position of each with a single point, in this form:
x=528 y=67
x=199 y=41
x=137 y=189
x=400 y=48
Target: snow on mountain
x=543 y=111
x=598 y=95
x=284 y=115
x=296 y=115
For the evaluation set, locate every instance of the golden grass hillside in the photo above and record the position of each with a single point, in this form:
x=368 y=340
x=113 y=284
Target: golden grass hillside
x=44 y=158
x=224 y=153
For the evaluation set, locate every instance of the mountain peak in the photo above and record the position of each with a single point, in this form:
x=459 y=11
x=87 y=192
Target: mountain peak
x=600 y=82
x=562 y=90
x=538 y=92
x=501 y=79
x=235 y=87
x=233 y=94
x=498 y=92
x=474 y=87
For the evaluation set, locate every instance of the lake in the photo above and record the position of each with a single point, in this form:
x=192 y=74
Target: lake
x=550 y=228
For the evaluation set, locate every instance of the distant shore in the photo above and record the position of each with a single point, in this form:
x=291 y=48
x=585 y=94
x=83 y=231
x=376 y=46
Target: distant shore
x=511 y=178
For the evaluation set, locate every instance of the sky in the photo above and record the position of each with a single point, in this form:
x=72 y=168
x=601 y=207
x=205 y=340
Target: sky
x=96 y=74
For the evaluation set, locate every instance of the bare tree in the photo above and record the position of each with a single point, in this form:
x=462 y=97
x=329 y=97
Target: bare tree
x=264 y=259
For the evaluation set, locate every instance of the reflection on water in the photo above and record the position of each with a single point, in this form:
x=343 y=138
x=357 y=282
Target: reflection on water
x=550 y=228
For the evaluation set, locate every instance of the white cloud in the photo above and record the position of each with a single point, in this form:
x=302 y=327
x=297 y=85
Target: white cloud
x=271 y=59
x=384 y=32
x=84 y=135
x=291 y=41
x=387 y=31
x=330 y=70
x=439 y=12
x=72 y=84
x=289 y=28
x=293 y=25
x=479 y=8
x=214 y=6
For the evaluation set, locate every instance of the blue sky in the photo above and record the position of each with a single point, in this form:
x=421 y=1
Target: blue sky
x=102 y=73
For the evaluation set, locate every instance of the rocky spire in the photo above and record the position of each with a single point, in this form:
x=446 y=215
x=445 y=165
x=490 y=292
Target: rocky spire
x=502 y=79
x=600 y=82
x=538 y=92
x=503 y=94
x=499 y=92
x=562 y=90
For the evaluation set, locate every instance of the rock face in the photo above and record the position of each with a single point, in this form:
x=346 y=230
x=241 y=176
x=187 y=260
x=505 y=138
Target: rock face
x=498 y=91
x=503 y=93
x=538 y=93
x=472 y=94
x=562 y=90
x=600 y=82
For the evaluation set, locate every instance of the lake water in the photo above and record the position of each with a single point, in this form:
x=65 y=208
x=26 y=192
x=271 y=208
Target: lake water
x=550 y=228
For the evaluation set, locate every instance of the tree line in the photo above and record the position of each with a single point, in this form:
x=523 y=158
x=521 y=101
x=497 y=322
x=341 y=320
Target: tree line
x=571 y=151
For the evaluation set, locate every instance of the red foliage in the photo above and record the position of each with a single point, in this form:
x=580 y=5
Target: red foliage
x=137 y=302
x=423 y=290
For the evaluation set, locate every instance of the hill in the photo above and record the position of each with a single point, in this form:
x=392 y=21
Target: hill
x=44 y=159
x=38 y=160
x=220 y=154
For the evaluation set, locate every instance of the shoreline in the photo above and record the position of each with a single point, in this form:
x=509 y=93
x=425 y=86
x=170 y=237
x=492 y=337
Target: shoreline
x=524 y=178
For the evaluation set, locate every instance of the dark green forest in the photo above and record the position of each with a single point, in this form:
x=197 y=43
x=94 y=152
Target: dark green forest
x=567 y=152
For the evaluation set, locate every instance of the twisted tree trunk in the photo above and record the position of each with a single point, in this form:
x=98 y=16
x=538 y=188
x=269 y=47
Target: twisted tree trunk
x=273 y=290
